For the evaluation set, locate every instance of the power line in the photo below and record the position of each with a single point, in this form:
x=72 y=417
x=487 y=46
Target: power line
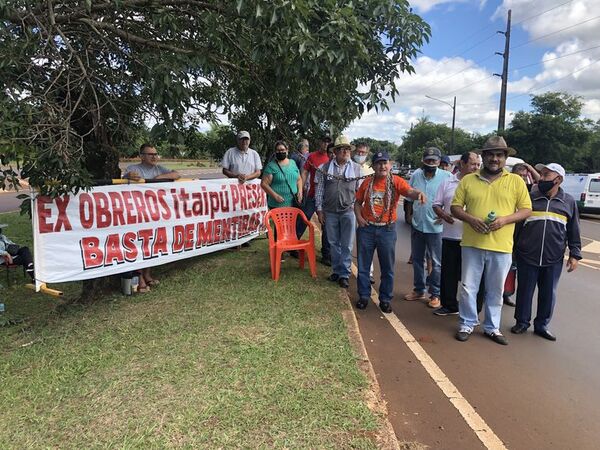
x=537 y=88
x=557 y=57
x=544 y=12
x=524 y=67
x=554 y=32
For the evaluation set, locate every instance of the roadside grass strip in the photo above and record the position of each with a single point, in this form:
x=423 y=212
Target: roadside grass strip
x=217 y=356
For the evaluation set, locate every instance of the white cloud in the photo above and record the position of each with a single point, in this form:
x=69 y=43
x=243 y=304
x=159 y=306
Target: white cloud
x=569 y=67
x=426 y=5
x=476 y=109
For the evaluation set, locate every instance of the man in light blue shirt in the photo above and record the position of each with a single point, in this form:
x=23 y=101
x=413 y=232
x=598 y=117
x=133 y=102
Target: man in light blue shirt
x=427 y=229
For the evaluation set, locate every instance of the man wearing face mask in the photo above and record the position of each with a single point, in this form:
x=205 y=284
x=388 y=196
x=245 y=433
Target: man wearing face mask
x=553 y=225
x=489 y=202
x=359 y=156
x=426 y=233
x=337 y=182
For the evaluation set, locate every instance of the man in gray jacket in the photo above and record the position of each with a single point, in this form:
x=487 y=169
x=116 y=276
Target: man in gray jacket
x=553 y=225
x=336 y=185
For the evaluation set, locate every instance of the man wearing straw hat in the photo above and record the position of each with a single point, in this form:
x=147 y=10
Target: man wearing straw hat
x=337 y=182
x=489 y=202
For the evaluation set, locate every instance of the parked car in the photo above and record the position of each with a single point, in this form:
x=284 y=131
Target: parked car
x=585 y=189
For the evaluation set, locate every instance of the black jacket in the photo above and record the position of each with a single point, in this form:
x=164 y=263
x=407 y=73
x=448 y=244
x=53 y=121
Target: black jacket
x=553 y=224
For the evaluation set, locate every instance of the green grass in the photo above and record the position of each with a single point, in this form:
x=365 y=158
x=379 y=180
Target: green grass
x=217 y=356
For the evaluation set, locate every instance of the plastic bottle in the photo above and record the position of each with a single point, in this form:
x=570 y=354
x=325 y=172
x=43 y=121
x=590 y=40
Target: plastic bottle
x=490 y=217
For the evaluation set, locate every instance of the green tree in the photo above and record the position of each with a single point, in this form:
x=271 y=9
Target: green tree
x=79 y=75
x=429 y=134
x=377 y=145
x=553 y=132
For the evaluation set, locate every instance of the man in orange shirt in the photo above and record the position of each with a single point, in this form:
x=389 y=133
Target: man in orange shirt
x=375 y=209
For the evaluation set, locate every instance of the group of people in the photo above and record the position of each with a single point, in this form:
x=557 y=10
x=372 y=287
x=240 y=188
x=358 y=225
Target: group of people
x=468 y=228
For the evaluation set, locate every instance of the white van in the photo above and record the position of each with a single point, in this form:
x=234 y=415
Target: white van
x=585 y=189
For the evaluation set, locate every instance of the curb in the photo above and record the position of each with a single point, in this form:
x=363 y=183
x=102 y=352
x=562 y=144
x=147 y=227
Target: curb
x=386 y=437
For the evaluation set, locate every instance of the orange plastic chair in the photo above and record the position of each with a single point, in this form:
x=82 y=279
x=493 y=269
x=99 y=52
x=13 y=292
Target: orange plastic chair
x=285 y=227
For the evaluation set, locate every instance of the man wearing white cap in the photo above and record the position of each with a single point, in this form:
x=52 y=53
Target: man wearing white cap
x=553 y=225
x=241 y=162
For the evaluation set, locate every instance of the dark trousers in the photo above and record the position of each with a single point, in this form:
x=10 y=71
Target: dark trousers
x=451 y=276
x=23 y=258
x=309 y=208
x=546 y=279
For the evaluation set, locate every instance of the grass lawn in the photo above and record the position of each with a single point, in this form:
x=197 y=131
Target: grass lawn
x=216 y=356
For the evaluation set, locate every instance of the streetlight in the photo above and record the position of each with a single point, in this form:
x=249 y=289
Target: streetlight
x=453 y=106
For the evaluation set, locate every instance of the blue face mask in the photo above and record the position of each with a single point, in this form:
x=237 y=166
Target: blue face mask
x=359 y=159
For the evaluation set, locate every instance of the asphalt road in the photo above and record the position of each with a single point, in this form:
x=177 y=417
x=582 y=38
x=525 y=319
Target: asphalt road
x=534 y=394
x=9 y=201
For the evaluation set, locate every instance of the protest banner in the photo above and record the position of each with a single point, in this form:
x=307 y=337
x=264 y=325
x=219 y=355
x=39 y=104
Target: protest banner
x=114 y=229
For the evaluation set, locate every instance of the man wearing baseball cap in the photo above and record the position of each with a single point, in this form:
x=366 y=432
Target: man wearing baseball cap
x=426 y=235
x=553 y=225
x=375 y=209
x=241 y=162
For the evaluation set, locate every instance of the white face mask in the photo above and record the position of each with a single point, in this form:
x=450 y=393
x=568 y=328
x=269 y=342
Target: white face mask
x=359 y=159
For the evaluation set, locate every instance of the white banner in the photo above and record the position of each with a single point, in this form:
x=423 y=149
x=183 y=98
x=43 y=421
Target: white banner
x=115 y=229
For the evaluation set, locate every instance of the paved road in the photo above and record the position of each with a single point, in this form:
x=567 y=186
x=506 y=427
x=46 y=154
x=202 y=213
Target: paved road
x=9 y=201
x=534 y=394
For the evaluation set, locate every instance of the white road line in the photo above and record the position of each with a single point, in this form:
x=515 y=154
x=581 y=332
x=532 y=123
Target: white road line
x=485 y=434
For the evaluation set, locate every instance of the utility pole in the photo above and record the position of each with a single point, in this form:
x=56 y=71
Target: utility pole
x=504 y=76
x=453 y=106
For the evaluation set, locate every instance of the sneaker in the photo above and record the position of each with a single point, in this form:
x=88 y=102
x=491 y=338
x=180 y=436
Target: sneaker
x=443 y=311
x=333 y=277
x=414 y=295
x=385 y=307
x=343 y=282
x=362 y=303
x=497 y=337
x=463 y=335
x=434 y=302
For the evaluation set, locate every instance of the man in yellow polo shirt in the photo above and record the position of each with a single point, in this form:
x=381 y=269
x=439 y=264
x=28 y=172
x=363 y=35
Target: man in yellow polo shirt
x=489 y=202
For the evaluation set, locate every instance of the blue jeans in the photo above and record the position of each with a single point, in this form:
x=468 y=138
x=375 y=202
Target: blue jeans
x=546 y=279
x=420 y=243
x=382 y=239
x=494 y=267
x=309 y=208
x=340 y=232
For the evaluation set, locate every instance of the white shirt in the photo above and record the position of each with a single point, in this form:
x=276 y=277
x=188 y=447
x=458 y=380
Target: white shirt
x=443 y=199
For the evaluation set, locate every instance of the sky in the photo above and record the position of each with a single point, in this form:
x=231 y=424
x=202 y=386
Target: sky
x=555 y=46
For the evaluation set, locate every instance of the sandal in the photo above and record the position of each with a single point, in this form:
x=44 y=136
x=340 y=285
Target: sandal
x=143 y=289
x=153 y=283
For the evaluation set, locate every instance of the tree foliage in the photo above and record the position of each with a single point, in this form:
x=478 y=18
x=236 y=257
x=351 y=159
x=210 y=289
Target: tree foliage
x=82 y=77
x=555 y=132
x=429 y=134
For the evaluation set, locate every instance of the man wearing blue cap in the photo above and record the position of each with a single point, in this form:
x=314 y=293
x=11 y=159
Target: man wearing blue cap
x=375 y=209
x=426 y=233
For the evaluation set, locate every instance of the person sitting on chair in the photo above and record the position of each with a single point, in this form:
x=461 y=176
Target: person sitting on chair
x=11 y=253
